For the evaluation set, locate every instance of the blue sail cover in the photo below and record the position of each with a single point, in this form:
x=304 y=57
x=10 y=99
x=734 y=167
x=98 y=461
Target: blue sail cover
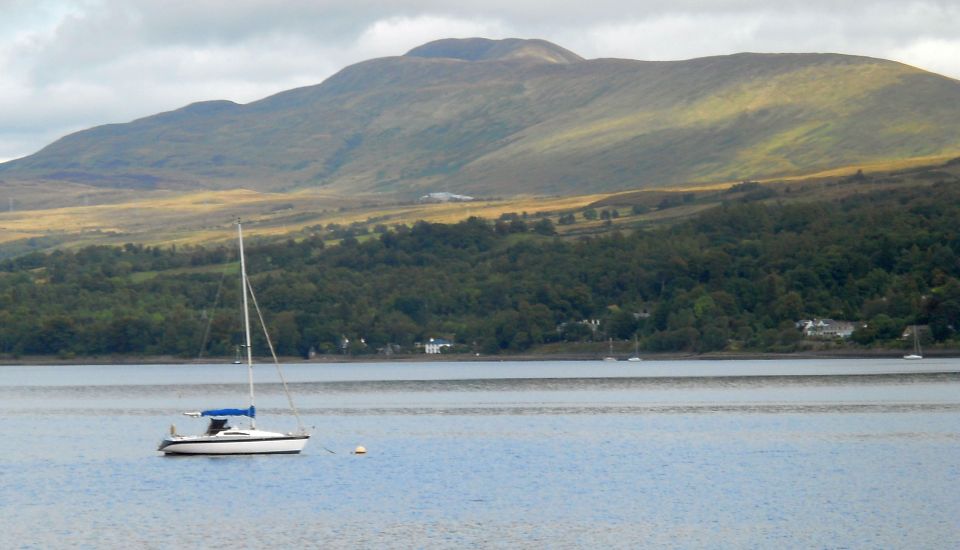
x=251 y=412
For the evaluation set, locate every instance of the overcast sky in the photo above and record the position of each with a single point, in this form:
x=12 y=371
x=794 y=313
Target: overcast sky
x=69 y=65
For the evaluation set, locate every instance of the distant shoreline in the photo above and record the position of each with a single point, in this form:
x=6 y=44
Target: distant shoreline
x=410 y=358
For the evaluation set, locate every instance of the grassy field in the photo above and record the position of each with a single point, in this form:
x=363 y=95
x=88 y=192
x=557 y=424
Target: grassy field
x=207 y=217
x=203 y=218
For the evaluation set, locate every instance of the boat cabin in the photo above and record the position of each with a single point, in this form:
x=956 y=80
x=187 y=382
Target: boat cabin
x=217 y=425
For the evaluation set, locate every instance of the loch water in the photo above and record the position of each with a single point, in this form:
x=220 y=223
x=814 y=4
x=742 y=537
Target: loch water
x=678 y=454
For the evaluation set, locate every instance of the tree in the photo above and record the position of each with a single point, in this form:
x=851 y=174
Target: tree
x=56 y=335
x=623 y=324
x=285 y=332
x=544 y=227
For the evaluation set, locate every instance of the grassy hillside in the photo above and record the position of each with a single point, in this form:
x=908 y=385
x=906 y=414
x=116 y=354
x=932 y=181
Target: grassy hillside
x=498 y=118
x=880 y=251
x=205 y=217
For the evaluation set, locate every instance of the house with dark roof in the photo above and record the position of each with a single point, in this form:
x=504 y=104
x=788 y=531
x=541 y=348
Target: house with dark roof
x=826 y=328
x=434 y=345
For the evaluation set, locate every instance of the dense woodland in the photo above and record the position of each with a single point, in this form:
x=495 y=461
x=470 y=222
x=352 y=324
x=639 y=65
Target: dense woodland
x=736 y=277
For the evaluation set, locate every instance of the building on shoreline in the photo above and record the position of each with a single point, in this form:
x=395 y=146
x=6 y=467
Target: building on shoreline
x=826 y=328
x=435 y=345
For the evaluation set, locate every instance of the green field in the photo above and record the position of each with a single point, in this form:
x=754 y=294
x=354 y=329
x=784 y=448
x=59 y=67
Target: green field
x=205 y=218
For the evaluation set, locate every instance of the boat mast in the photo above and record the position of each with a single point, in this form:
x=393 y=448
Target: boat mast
x=246 y=320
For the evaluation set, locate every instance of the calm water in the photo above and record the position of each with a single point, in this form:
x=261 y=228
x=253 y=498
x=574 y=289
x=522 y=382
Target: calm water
x=732 y=454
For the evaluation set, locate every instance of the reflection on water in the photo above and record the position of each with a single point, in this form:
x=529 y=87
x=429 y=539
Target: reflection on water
x=497 y=384
x=801 y=454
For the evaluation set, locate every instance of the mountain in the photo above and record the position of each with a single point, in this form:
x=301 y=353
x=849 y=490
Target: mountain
x=501 y=117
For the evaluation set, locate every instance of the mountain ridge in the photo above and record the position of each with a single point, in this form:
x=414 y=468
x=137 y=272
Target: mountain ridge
x=485 y=49
x=494 y=117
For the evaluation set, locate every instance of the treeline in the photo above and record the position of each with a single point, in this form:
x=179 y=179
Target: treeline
x=738 y=276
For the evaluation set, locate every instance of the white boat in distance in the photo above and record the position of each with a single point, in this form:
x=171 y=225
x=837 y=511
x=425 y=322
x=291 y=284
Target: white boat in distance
x=636 y=351
x=221 y=439
x=917 y=354
x=610 y=357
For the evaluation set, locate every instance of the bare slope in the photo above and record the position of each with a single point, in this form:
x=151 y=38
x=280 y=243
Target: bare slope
x=488 y=117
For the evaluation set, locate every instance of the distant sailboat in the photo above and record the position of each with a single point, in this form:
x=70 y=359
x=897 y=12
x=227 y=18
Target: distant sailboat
x=221 y=439
x=917 y=354
x=636 y=351
x=610 y=357
x=236 y=358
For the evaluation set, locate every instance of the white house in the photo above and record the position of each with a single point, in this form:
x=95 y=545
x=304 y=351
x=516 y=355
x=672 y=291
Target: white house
x=445 y=197
x=826 y=328
x=436 y=344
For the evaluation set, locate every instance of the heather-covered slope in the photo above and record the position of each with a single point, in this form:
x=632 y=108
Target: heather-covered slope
x=486 y=117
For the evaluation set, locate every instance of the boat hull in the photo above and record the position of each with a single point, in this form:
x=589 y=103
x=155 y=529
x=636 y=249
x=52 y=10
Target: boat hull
x=233 y=444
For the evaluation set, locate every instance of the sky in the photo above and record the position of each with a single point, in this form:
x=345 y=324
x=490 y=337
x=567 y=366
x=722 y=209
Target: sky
x=69 y=65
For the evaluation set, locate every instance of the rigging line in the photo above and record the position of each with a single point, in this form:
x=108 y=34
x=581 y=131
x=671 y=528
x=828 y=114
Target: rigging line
x=273 y=354
x=216 y=300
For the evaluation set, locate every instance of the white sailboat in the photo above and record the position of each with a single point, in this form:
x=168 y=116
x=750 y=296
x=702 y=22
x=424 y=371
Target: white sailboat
x=221 y=439
x=636 y=351
x=611 y=356
x=917 y=354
